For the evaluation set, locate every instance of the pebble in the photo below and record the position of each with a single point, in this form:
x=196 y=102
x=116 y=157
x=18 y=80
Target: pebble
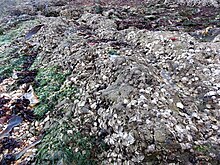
x=208 y=106
x=46 y=119
x=215 y=127
x=179 y=105
x=93 y=106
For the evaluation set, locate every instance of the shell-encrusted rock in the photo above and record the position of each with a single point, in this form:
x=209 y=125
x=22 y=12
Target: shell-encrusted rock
x=139 y=91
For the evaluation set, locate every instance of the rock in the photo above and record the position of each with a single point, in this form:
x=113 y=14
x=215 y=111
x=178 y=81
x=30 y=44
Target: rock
x=179 y=105
x=141 y=87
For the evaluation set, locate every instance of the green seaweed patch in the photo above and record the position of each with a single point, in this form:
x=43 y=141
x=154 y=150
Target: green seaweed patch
x=112 y=52
x=202 y=148
x=8 y=61
x=50 y=89
x=10 y=64
x=61 y=146
x=7 y=36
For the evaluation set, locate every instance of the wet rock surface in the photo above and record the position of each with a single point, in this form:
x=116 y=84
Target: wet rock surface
x=147 y=83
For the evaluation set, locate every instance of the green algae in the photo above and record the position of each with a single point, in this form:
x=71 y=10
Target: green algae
x=49 y=82
x=9 y=58
x=69 y=148
x=59 y=146
x=8 y=35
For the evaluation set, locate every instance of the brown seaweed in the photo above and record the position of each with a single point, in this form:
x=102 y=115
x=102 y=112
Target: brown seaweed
x=22 y=152
x=13 y=121
x=33 y=31
x=16 y=156
x=13 y=157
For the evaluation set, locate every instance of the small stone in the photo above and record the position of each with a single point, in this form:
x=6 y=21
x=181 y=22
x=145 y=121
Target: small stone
x=16 y=129
x=68 y=113
x=81 y=103
x=70 y=132
x=151 y=148
x=195 y=115
x=215 y=127
x=210 y=93
x=28 y=159
x=179 y=105
x=142 y=97
x=125 y=101
x=142 y=91
x=150 y=17
x=32 y=130
x=36 y=124
x=145 y=106
x=104 y=77
x=184 y=80
x=208 y=106
x=32 y=139
x=47 y=125
x=34 y=150
x=84 y=110
x=46 y=119
x=94 y=105
x=29 y=135
x=178 y=129
x=129 y=139
x=171 y=163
